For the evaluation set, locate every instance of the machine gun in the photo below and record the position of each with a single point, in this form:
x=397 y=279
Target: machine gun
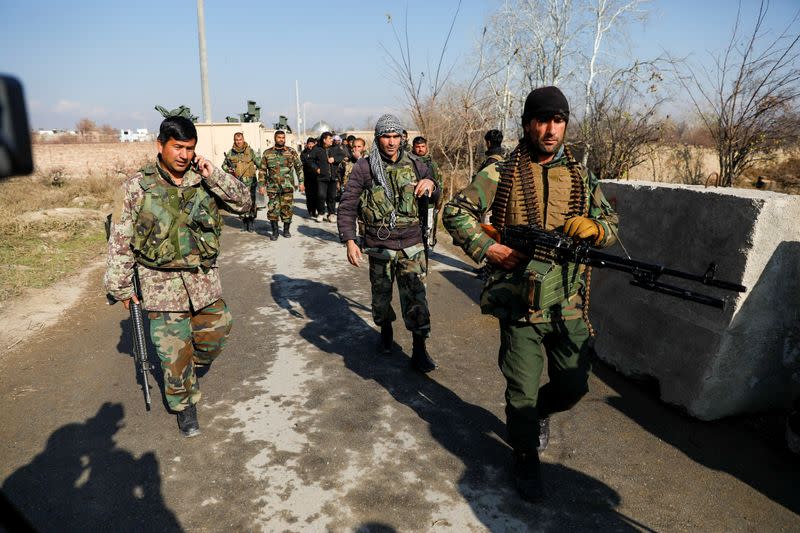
x=559 y=248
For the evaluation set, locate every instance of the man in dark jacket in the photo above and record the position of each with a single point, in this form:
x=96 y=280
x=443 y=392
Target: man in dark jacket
x=310 y=176
x=321 y=162
x=383 y=189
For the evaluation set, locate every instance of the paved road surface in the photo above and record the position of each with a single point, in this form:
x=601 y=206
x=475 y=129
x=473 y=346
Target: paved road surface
x=305 y=428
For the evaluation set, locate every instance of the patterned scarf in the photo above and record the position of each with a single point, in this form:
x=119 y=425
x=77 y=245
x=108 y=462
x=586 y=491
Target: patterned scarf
x=386 y=124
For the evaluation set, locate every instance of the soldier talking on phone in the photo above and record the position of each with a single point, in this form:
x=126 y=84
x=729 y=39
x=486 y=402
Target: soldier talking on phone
x=166 y=221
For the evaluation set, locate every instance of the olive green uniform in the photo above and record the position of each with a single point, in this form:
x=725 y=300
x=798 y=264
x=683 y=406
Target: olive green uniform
x=243 y=163
x=520 y=191
x=280 y=165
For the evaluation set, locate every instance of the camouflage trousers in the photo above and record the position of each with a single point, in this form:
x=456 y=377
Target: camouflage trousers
x=184 y=340
x=281 y=202
x=253 y=212
x=523 y=349
x=410 y=272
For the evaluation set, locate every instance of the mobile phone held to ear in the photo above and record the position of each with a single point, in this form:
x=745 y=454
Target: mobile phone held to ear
x=194 y=165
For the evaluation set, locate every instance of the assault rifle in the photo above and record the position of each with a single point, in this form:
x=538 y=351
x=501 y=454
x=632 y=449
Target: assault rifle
x=531 y=240
x=425 y=224
x=139 y=339
x=137 y=327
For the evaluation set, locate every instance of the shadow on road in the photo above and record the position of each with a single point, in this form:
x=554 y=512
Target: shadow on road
x=724 y=445
x=83 y=482
x=452 y=262
x=324 y=231
x=469 y=432
x=466 y=282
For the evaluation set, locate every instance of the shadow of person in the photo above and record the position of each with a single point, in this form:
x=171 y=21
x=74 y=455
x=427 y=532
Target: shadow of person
x=467 y=431
x=451 y=262
x=83 y=482
x=325 y=232
x=465 y=282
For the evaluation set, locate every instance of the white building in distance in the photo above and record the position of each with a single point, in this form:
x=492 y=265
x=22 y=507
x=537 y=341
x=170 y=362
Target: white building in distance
x=139 y=135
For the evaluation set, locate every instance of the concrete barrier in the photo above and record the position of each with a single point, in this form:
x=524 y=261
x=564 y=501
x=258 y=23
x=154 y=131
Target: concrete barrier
x=712 y=363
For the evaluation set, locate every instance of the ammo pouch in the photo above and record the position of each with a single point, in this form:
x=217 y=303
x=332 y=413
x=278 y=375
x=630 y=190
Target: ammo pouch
x=375 y=205
x=539 y=286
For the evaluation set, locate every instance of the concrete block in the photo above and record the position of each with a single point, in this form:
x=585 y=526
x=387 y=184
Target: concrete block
x=712 y=363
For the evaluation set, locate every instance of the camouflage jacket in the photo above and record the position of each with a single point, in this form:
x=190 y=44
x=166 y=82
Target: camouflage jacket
x=165 y=290
x=462 y=217
x=242 y=163
x=278 y=166
x=428 y=160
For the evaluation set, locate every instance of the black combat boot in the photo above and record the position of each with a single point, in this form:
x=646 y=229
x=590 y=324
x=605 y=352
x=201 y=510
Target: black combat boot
x=286 y=229
x=187 y=421
x=274 y=235
x=244 y=224
x=387 y=338
x=528 y=476
x=251 y=225
x=419 y=355
x=544 y=433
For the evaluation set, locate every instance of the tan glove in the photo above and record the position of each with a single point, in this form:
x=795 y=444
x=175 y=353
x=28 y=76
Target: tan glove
x=584 y=228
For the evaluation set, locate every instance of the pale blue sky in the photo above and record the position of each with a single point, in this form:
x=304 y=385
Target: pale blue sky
x=113 y=61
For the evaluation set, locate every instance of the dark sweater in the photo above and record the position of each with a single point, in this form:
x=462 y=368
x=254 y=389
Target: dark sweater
x=360 y=179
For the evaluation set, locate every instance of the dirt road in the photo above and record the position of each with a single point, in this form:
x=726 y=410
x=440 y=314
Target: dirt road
x=305 y=428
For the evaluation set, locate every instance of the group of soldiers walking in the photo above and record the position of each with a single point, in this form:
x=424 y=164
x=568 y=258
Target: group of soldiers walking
x=166 y=223
x=278 y=165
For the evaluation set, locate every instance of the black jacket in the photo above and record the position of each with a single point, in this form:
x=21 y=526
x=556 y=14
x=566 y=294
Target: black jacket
x=318 y=161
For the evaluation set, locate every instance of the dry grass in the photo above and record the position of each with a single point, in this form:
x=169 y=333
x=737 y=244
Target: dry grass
x=36 y=251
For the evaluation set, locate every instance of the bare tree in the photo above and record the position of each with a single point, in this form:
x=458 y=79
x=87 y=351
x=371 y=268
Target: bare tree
x=531 y=44
x=622 y=125
x=405 y=73
x=605 y=16
x=85 y=126
x=746 y=99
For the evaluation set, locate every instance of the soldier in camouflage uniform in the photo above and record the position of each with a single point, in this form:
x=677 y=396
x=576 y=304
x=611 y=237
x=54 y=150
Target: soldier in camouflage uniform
x=419 y=149
x=242 y=162
x=166 y=223
x=539 y=184
x=383 y=189
x=278 y=163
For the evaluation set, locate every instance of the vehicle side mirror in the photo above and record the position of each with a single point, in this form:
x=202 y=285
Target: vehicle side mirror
x=16 y=158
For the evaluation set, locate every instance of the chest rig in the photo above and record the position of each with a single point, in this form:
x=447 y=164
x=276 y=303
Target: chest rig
x=543 y=197
x=177 y=227
x=243 y=164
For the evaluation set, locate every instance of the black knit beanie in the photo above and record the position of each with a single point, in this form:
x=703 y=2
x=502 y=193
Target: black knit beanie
x=544 y=103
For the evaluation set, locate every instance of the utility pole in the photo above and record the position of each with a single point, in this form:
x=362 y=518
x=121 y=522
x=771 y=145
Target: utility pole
x=201 y=35
x=297 y=110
